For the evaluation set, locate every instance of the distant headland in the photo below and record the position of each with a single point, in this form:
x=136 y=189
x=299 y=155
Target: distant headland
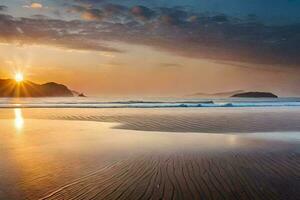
x=236 y=93
x=255 y=95
x=11 y=88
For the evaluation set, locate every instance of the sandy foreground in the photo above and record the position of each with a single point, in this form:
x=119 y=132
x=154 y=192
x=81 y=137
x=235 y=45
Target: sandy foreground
x=150 y=154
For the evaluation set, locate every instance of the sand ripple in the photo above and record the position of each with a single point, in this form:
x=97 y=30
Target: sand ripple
x=216 y=122
x=191 y=176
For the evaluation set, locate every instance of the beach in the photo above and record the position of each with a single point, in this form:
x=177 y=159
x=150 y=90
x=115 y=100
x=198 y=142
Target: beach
x=149 y=100
x=157 y=153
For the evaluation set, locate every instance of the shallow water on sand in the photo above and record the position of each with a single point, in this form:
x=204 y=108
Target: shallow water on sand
x=61 y=159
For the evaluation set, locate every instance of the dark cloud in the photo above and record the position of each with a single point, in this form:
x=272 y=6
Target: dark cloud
x=220 y=18
x=176 y=30
x=168 y=20
x=116 y=13
x=3 y=8
x=77 y=9
x=40 y=17
x=65 y=34
x=113 y=9
x=172 y=16
x=142 y=12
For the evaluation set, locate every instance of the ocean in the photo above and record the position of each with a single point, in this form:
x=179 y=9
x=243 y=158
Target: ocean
x=99 y=102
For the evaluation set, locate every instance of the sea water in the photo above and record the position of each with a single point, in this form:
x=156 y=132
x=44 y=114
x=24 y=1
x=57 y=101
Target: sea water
x=100 y=102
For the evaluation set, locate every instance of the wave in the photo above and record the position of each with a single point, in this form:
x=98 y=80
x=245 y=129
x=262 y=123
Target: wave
x=96 y=102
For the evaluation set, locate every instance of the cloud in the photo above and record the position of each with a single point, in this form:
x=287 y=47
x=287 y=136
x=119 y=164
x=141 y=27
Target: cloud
x=220 y=18
x=142 y=12
x=89 y=1
x=172 y=16
x=75 y=35
x=3 y=8
x=92 y=14
x=176 y=30
x=36 y=5
x=111 y=9
x=87 y=13
x=38 y=16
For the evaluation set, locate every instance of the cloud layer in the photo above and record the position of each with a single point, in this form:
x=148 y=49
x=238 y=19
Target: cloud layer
x=173 y=29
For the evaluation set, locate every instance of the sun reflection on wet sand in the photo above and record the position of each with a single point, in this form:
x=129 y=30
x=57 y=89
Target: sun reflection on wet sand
x=232 y=140
x=19 y=120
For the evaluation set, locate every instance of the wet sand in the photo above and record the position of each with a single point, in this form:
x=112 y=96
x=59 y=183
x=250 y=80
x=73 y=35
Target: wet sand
x=199 y=120
x=153 y=154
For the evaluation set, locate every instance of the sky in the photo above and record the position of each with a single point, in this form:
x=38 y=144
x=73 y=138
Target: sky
x=157 y=47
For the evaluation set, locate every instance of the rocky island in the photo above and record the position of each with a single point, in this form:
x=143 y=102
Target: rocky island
x=255 y=95
x=11 y=88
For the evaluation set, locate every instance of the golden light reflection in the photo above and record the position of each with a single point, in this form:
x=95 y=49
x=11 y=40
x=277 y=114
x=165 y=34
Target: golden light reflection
x=19 y=120
x=232 y=140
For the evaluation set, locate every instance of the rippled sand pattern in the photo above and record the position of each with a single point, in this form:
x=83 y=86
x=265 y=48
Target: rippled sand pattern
x=208 y=120
x=192 y=176
x=223 y=121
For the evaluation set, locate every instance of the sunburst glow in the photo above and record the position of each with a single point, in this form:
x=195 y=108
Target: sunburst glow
x=19 y=77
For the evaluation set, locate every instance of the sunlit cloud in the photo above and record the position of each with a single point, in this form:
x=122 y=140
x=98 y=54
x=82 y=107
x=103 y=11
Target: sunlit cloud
x=107 y=54
x=34 y=6
x=87 y=13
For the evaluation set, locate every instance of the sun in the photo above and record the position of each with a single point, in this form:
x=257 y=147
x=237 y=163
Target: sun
x=19 y=77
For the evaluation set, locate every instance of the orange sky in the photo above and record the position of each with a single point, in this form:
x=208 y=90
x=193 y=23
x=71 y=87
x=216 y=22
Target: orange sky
x=140 y=70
